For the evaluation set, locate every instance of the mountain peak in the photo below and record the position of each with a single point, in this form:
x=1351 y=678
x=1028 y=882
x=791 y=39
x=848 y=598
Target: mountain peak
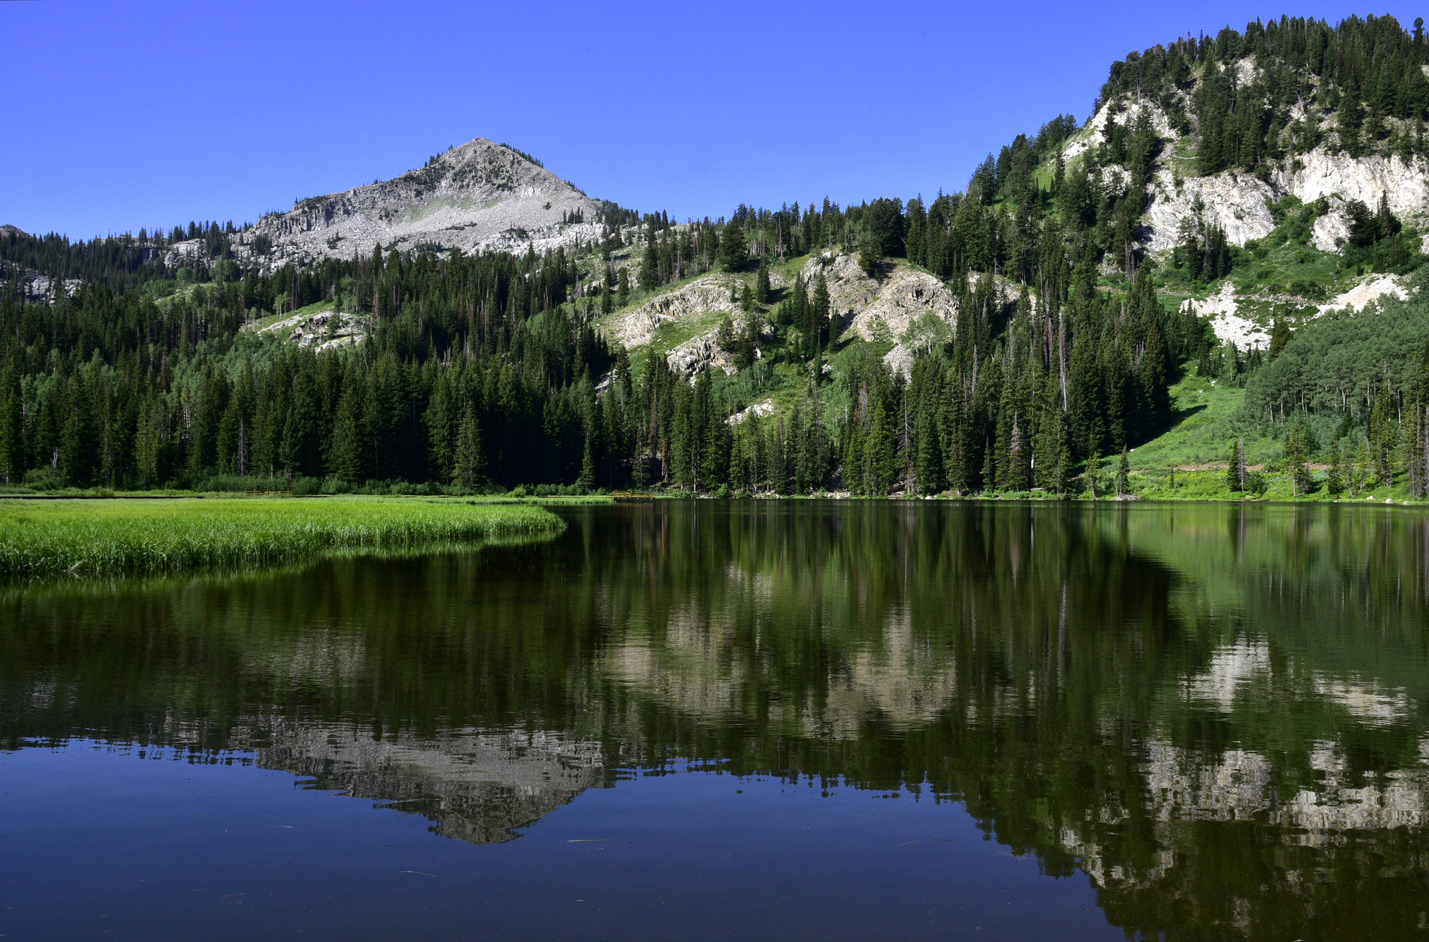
x=477 y=195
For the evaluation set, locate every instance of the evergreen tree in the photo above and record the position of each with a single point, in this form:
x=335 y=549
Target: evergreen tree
x=1296 y=457
x=349 y=451
x=1280 y=334
x=79 y=458
x=762 y=287
x=1235 y=468
x=1053 y=459
x=1335 y=484
x=1383 y=440
x=1123 y=476
x=1360 y=468
x=650 y=263
x=870 y=257
x=733 y=252
x=819 y=315
x=12 y=446
x=469 y=464
x=586 y=481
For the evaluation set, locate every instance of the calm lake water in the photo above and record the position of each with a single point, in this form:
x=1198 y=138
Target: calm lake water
x=713 y=720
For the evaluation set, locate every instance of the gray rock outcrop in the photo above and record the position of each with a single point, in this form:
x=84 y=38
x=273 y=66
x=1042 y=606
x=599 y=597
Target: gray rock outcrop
x=698 y=354
x=706 y=295
x=880 y=310
x=1236 y=202
x=1239 y=202
x=1128 y=110
x=326 y=330
x=480 y=195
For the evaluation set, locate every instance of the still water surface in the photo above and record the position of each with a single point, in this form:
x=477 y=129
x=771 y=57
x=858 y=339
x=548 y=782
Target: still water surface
x=742 y=720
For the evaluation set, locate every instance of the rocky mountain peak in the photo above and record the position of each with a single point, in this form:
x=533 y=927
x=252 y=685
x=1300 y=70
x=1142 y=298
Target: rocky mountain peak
x=477 y=196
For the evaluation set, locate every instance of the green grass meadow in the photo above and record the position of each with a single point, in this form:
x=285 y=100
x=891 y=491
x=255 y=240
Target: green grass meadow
x=56 y=538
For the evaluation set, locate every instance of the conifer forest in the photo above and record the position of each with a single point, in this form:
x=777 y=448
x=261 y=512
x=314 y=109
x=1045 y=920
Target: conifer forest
x=127 y=365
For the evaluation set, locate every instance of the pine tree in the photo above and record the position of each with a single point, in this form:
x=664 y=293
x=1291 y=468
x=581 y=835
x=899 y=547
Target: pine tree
x=586 y=481
x=469 y=463
x=348 y=446
x=1052 y=456
x=762 y=286
x=1094 y=463
x=1360 y=467
x=1123 y=475
x=650 y=264
x=1235 y=468
x=1280 y=335
x=819 y=319
x=80 y=438
x=12 y=447
x=1383 y=440
x=639 y=462
x=929 y=465
x=1336 y=481
x=441 y=437
x=870 y=257
x=148 y=442
x=1417 y=437
x=733 y=252
x=1296 y=456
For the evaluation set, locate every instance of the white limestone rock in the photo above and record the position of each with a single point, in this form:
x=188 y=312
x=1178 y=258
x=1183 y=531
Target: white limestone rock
x=1236 y=202
x=708 y=294
x=1093 y=133
x=879 y=310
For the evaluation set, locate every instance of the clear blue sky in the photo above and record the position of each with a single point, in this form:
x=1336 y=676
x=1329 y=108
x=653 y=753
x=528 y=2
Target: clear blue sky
x=127 y=114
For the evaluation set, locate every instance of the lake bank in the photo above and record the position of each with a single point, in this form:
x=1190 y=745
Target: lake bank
x=50 y=538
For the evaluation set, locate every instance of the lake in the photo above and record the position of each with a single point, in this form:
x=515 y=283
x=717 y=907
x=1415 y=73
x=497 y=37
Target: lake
x=742 y=720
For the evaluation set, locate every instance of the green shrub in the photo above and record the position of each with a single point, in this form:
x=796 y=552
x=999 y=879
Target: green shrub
x=43 y=479
x=333 y=484
x=307 y=487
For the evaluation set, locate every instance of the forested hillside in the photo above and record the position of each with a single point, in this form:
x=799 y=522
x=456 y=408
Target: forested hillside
x=791 y=350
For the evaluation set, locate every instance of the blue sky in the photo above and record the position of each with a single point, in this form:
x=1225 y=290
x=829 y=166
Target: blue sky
x=123 y=114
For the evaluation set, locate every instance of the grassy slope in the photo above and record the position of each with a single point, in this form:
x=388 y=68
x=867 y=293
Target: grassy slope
x=1188 y=461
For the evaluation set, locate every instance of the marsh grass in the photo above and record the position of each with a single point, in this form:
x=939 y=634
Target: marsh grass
x=52 y=538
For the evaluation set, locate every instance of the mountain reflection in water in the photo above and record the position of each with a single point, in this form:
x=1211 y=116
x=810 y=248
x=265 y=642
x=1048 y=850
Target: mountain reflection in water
x=1216 y=712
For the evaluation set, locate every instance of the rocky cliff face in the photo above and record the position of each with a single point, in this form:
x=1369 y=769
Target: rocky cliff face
x=880 y=309
x=480 y=195
x=1239 y=202
x=710 y=294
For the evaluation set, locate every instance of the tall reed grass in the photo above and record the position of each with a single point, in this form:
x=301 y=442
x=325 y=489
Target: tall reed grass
x=48 y=538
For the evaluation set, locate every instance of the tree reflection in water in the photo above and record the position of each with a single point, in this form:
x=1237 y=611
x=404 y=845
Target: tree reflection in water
x=1217 y=712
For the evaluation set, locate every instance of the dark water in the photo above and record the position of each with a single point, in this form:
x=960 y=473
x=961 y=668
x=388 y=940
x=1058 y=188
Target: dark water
x=735 y=720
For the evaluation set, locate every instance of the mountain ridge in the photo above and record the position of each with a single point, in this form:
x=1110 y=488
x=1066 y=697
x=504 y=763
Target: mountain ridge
x=476 y=196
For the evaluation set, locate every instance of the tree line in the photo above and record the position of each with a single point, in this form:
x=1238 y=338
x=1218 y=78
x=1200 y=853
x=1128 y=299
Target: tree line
x=487 y=371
